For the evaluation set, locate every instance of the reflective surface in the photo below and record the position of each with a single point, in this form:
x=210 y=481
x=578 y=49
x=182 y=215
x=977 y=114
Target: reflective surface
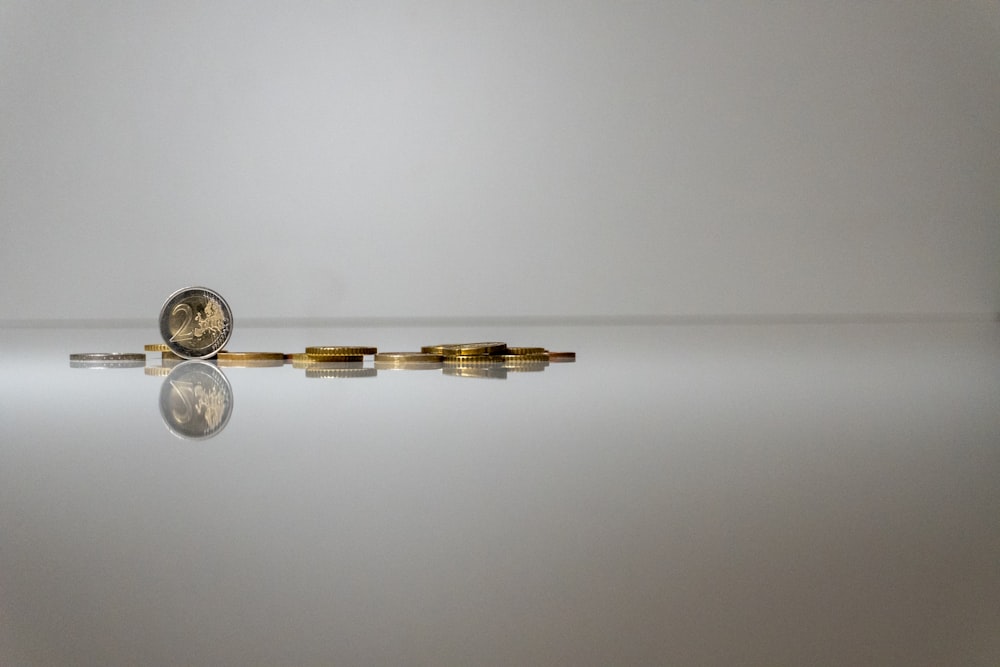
x=754 y=495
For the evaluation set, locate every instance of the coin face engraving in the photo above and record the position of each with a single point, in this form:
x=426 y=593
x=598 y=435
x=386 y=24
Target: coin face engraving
x=195 y=322
x=196 y=400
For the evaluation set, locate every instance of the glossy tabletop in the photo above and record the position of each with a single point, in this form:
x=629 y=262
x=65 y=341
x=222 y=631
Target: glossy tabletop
x=784 y=494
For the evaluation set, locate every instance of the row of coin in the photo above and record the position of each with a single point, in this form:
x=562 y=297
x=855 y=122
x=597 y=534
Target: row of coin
x=461 y=354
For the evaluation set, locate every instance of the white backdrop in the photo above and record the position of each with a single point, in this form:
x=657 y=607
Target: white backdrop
x=500 y=158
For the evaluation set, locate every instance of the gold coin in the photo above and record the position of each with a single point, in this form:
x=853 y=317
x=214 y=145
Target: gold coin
x=562 y=356
x=329 y=350
x=503 y=359
x=310 y=356
x=465 y=349
x=158 y=371
x=408 y=365
x=312 y=372
x=250 y=363
x=251 y=356
x=408 y=357
x=526 y=350
x=156 y=347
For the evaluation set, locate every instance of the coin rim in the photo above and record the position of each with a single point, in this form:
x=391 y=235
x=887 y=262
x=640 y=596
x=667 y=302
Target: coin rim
x=225 y=304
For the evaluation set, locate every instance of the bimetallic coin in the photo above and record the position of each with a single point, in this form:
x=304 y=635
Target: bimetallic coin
x=463 y=349
x=196 y=400
x=107 y=356
x=156 y=347
x=196 y=322
x=408 y=357
x=106 y=365
x=331 y=350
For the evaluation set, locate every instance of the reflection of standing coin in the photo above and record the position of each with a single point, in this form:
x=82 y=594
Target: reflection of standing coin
x=196 y=322
x=196 y=400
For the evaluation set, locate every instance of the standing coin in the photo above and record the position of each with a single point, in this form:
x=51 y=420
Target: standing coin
x=196 y=322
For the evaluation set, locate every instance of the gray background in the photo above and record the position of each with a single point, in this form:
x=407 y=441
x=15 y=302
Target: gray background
x=328 y=159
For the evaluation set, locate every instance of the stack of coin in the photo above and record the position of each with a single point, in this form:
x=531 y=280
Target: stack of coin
x=471 y=356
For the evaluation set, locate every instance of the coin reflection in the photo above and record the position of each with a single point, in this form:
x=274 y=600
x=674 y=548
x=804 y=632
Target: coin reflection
x=196 y=400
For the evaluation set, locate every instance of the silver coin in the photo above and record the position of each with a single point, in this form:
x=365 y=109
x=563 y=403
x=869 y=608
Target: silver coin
x=196 y=400
x=107 y=356
x=196 y=322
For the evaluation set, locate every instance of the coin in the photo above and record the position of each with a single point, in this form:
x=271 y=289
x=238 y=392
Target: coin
x=562 y=357
x=196 y=400
x=251 y=356
x=156 y=347
x=503 y=359
x=526 y=350
x=408 y=357
x=341 y=372
x=332 y=350
x=106 y=365
x=158 y=371
x=107 y=356
x=320 y=358
x=463 y=349
x=251 y=363
x=195 y=322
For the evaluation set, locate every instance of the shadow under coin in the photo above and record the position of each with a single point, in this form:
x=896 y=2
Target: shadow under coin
x=196 y=400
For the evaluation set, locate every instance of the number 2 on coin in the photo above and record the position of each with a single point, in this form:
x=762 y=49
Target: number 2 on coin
x=184 y=332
